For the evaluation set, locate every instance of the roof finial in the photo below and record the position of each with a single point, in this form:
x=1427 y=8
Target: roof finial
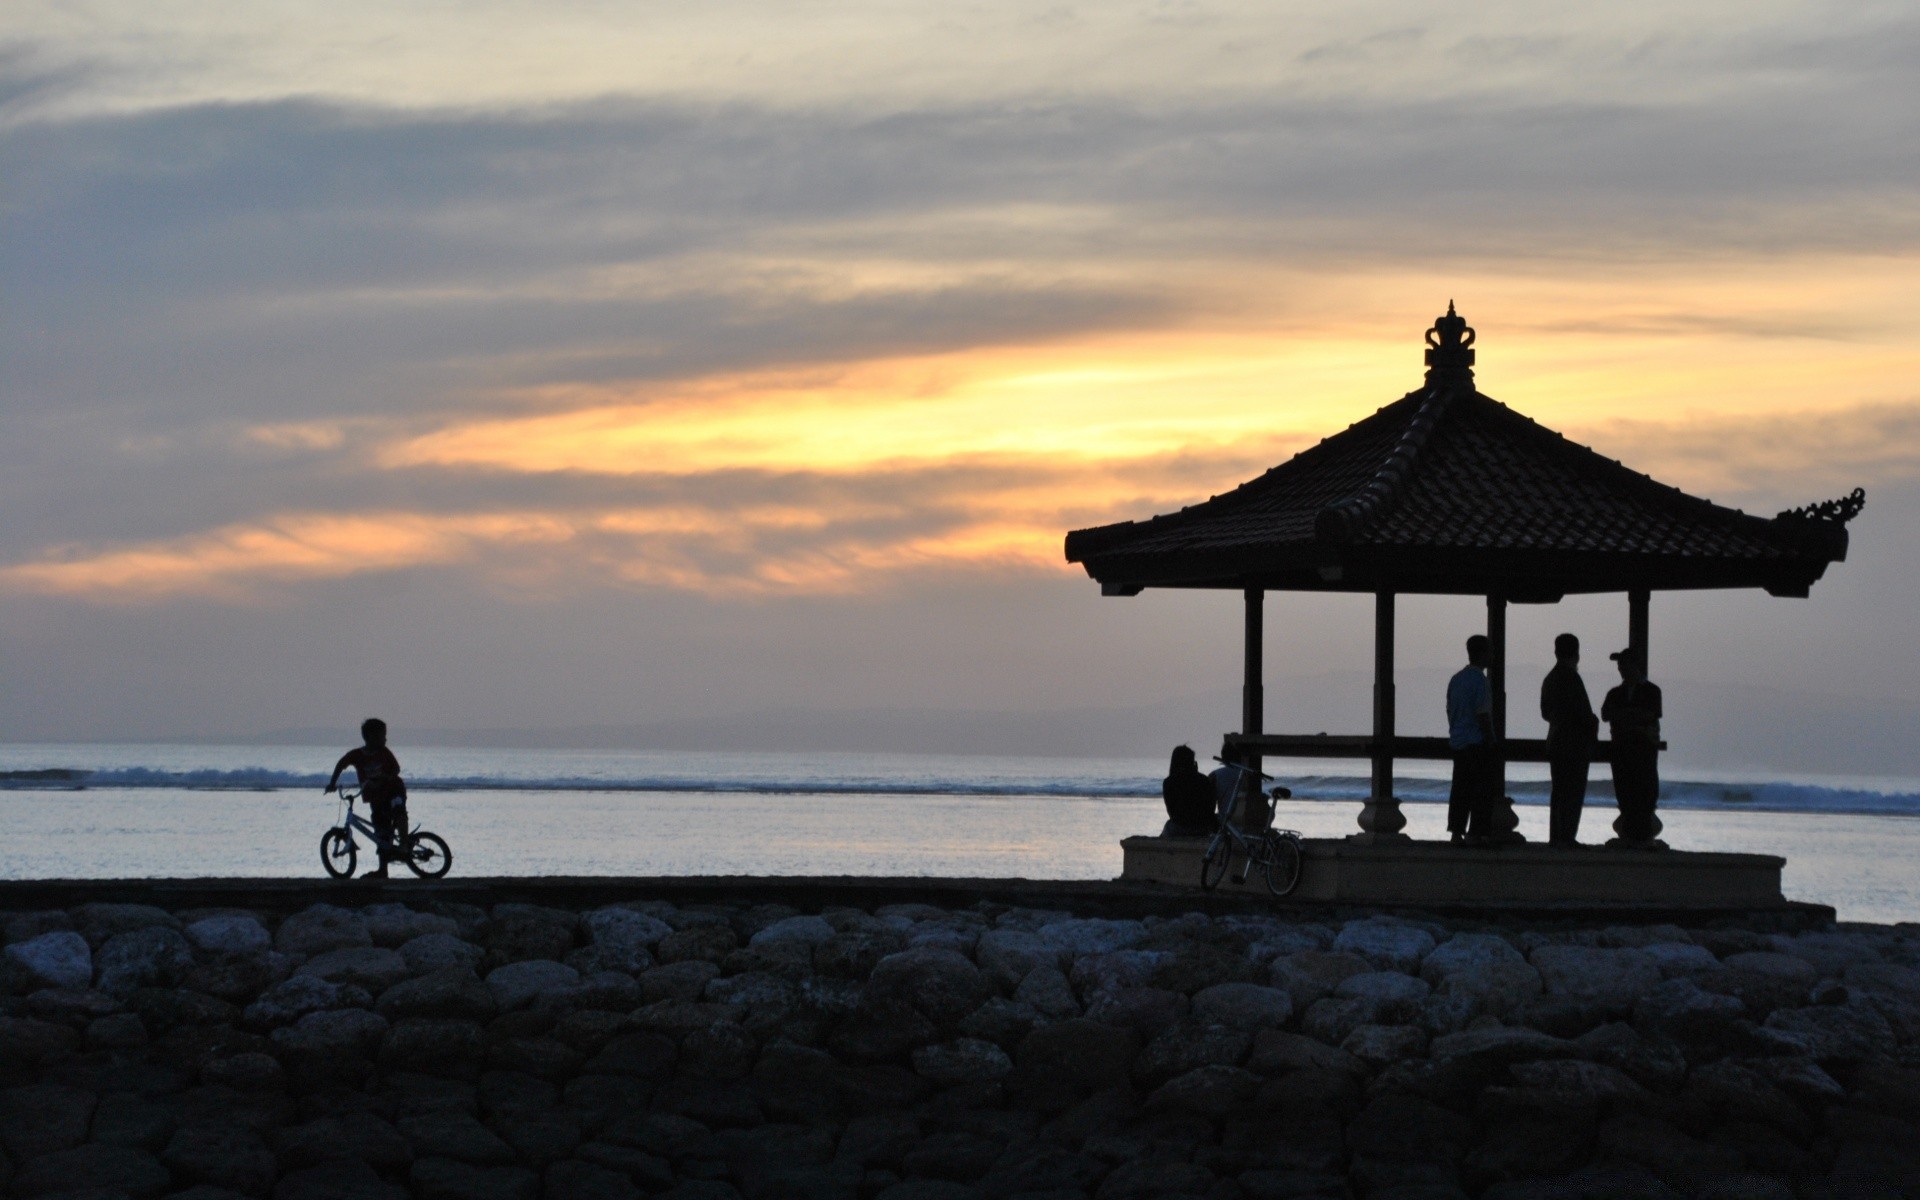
x=1450 y=346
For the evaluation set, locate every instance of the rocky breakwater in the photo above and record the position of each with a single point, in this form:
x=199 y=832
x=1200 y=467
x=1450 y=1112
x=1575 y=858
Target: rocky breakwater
x=710 y=1051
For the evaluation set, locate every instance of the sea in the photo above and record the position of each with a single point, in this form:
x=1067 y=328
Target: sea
x=184 y=811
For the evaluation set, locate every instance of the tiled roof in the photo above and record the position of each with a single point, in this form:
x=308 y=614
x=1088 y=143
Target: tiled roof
x=1447 y=482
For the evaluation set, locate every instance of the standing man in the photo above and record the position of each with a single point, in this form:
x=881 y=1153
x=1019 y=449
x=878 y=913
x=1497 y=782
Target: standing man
x=1632 y=712
x=1571 y=729
x=1470 y=736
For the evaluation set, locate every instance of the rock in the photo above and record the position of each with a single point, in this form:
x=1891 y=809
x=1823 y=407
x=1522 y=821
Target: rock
x=1035 y=1167
x=336 y=1179
x=1468 y=952
x=677 y=981
x=321 y=928
x=1763 y=981
x=1387 y=944
x=1679 y=1160
x=103 y=1169
x=1680 y=1011
x=55 y=960
x=517 y=983
x=238 y=978
x=1007 y=956
x=1612 y=979
x=437 y=951
x=1213 y=1091
x=576 y=1180
x=25 y=926
x=964 y=1060
x=646 y=1054
x=41 y=1119
x=1313 y=974
x=100 y=922
x=1278 y=1052
x=1093 y=935
x=1499 y=1046
x=940 y=985
x=1001 y=1021
x=1835 y=1033
x=1048 y=991
x=222 y=1154
x=1071 y=1058
x=450 y=992
x=708 y=943
x=1383 y=1044
x=445 y=1179
x=156 y=956
x=1146 y=1179
x=120 y=1031
x=394 y=925
x=1095 y=973
x=1390 y=997
x=1187 y=1048
x=1586 y=1080
x=1331 y=1020
x=621 y=939
x=1500 y=988
x=455 y=1135
x=229 y=935
x=370 y=967
x=853 y=953
x=251 y=1071
x=1681 y=958
x=1243 y=1006
x=287 y=1002
x=433 y=1047
x=804 y=930
x=333 y=1034
x=1147 y=1011
x=361 y=1135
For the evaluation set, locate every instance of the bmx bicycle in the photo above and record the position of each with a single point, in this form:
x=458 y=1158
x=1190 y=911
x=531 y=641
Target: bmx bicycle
x=1276 y=852
x=426 y=854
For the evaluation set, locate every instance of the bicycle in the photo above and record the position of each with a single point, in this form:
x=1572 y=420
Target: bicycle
x=426 y=854
x=1277 y=852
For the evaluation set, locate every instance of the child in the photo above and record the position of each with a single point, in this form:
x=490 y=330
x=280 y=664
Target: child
x=380 y=783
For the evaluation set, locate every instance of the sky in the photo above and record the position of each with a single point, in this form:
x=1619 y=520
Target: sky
x=519 y=366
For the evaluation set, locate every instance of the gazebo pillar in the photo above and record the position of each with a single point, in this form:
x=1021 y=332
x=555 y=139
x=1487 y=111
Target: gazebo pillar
x=1637 y=622
x=1506 y=822
x=1380 y=818
x=1252 y=693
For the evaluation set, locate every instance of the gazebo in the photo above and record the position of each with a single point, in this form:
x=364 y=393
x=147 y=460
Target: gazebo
x=1448 y=491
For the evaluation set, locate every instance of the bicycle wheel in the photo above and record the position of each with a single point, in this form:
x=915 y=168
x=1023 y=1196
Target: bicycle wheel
x=1214 y=864
x=338 y=854
x=1283 y=865
x=428 y=855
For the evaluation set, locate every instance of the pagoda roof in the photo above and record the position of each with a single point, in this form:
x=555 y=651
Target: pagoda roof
x=1447 y=490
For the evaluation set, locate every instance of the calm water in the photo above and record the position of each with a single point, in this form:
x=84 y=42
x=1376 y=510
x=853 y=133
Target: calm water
x=176 y=811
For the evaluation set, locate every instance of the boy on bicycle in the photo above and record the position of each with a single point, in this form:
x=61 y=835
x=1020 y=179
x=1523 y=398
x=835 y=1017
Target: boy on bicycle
x=381 y=785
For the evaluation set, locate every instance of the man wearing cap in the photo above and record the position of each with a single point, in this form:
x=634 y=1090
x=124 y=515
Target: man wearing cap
x=1632 y=713
x=1571 y=728
x=1470 y=737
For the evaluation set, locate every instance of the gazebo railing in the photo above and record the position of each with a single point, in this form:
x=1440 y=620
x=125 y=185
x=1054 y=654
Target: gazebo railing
x=1326 y=745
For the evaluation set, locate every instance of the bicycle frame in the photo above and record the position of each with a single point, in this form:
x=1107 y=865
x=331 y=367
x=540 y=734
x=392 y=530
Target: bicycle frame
x=351 y=821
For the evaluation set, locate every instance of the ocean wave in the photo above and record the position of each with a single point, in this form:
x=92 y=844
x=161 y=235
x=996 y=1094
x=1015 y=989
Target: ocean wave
x=1758 y=796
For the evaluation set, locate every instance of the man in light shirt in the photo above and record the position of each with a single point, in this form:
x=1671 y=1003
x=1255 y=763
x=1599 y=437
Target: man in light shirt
x=1470 y=736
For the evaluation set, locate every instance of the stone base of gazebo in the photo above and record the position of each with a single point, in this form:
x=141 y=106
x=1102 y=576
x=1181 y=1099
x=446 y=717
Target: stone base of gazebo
x=1530 y=874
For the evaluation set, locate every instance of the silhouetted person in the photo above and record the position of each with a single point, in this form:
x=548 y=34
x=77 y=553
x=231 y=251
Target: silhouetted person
x=380 y=785
x=1189 y=796
x=1632 y=712
x=1571 y=730
x=1470 y=736
x=1230 y=781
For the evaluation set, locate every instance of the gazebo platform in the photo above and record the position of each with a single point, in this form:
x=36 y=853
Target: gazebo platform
x=1441 y=874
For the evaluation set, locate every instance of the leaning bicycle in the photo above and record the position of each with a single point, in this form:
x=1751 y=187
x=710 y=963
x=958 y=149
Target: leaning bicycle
x=425 y=854
x=1253 y=842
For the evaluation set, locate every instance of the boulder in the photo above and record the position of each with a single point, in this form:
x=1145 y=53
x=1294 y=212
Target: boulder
x=1313 y=974
x=1835 y=1032
x=1499 y=1046
x=321 y=928
x=349 y=1032
x=337 y=1179
x=1678 y=1010
x=1498 y=988
x=454 y=992
x=394 y=925
x=677 y=981
x=577 y=1180
x=1187 y=1048
x=1212 y=1091
x=1093 y=935
x=288 y=1001
x=961 y=1061
x=438 y=951
x=25 y=926
x=622 y=939
x=1008 y=956
x=155 y=956
x=93 y=1170
x=53 y=960
x=221 y=1154
x=1763 y=980
x=44 y=1118
x=1612 y=979
x=940 y=985
x=1387 y=944
x=99 y=922
x=525 y=932
x=1147 y=1011
x=435 y=1178
x=515 y=984
x=1096 y=973
x=433 y=1047
x=1048 y=991
x=808 y=931
x=1390 y=997
x=1588 y=1081
x=371 y=967
x=1278 y=1052
x=1081 y=1052
x=1384 y=1044
x=229 y=935
x=1243 y=1006
x=706 y=943
x=1468 y=952
x=1681 y=958
x=1332 y=1019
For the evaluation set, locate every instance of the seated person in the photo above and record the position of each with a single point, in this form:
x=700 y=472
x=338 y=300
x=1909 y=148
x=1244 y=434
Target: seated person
x=1189 y=797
